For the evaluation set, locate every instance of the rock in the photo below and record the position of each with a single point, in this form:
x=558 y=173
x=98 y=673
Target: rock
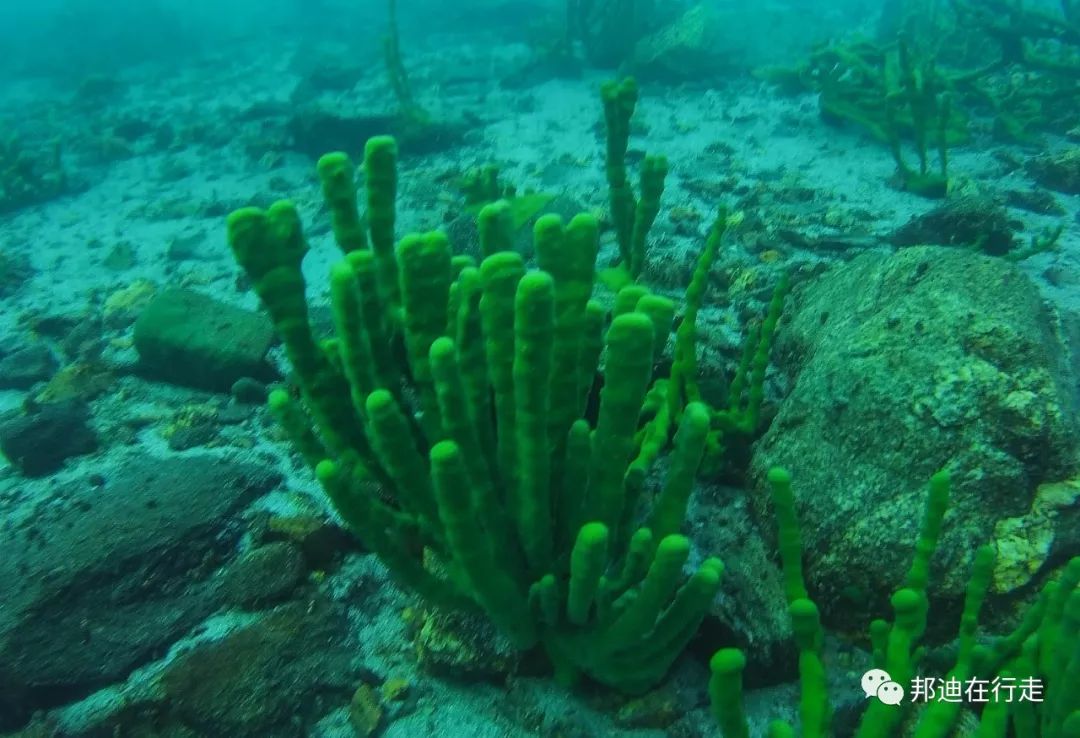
x=185 y=247
x=365 y=712
x=248 y=391
x=1060 y=171
x=322 y=542
x=328 y=69
x=121 y=257
x=315 y=132
x=1070 y=319
x=103 y=579
x=902 y=365
x=263 y=575
x=970 y=221
x=85 y=340
x=184 y=437
x=395 y=689
x=25 y=367
x=710 y=42
x=15 y=271
x=53 y=325
x=1025 y=543
x=38 y=441
x=121 y=308
x=32 y=173
x=683 y=50
x=656 y=710
x=751 y=611
x=267 y=680
x=79 y=381
x=464 y=647
x=188 y=338
x=233 y=413
x=1034 y=200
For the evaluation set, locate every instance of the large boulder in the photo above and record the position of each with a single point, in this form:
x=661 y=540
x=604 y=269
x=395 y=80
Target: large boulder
x=901 y=365
x=104 y=577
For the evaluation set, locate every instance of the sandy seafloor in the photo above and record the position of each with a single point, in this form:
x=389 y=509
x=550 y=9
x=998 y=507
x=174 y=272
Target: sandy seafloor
x=544 y=137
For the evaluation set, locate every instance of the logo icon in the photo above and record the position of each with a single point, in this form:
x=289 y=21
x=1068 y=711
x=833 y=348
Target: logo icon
x=878 y=683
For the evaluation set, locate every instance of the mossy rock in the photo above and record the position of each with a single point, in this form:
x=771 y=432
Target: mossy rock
x=187 y=338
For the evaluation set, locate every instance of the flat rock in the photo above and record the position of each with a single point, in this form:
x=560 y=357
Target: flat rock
x=267 y=680
x=98 y=580
x=188 y=338
x=263 y=575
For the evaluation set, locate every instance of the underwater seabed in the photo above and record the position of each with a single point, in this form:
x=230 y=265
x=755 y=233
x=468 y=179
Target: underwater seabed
x=169 y=567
